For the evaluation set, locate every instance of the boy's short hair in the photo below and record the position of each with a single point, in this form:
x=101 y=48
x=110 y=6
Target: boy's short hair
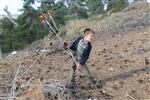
x=88 y=30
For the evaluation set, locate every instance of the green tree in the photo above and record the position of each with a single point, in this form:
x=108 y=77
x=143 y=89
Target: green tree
x=6 y=38
x=95 y=6
x=77 y=9
x=58 y=9
x=84 y=8
x=29 y=29
x=116 y=5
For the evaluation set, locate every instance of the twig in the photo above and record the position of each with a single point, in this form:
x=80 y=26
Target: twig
x=130 y=96
x=53 y=22
x=7 y=98
x=36 y=59
x=14 y=82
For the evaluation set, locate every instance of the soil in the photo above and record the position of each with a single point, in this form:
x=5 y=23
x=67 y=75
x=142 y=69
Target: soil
x=121 y=61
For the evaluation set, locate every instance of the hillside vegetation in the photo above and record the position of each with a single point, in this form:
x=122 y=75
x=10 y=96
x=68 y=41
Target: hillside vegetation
x=120 y=58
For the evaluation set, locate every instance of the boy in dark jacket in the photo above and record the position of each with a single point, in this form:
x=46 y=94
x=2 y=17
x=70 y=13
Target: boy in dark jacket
x=81 y=49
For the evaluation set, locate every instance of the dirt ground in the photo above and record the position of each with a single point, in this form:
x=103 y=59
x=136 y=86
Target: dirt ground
x=119 y=60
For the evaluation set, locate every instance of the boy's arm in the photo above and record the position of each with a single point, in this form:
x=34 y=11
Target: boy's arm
x=85 y=58
x=74 y=44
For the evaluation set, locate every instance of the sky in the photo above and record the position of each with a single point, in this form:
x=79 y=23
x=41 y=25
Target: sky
x=14 y=5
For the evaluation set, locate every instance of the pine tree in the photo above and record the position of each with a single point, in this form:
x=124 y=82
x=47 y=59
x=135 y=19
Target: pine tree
x=95 y=6
x=116 y=5
x=77 y=9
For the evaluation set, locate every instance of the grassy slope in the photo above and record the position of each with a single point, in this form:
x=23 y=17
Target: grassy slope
x=121 y=43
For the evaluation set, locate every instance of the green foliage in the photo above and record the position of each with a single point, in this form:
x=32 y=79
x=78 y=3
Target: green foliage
x=84 y=8
x=30 y=28
x=116 y=5
x=95 y=6
x=77 y=9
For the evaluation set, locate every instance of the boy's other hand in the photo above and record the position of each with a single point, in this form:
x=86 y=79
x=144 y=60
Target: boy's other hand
x=78 y=65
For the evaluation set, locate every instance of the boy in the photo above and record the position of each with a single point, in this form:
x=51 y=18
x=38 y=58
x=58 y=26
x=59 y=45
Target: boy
x=81 y=49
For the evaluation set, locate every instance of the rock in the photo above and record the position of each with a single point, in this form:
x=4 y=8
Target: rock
x=110 y=69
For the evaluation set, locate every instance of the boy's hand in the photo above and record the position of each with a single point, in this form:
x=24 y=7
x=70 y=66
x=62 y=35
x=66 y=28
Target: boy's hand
x=65 y=46
x=78 y=65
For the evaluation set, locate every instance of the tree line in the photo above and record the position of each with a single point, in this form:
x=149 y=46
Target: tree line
x=29 y=28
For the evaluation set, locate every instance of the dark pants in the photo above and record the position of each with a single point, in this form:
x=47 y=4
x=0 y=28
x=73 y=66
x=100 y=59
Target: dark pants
x=83 y=69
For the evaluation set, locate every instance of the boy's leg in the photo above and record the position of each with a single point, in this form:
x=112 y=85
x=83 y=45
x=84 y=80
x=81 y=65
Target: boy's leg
x=72 y=74
x=85 y=70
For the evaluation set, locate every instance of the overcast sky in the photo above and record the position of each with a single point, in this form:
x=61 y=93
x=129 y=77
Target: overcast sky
x=14 y=5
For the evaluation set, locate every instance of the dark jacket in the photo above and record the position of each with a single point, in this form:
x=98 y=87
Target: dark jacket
x=86 y=51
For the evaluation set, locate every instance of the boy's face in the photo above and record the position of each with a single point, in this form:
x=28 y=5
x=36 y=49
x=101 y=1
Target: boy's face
x=88 y=36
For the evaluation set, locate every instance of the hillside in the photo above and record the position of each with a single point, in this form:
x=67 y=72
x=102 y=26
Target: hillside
x=119 y=57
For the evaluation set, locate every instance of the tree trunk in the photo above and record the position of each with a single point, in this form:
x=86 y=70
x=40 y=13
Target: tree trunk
x=0 y=54
x=100 y=7
x=0 y=43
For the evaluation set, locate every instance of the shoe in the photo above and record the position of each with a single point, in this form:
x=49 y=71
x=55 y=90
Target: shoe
x=71 y=88
x=94 y=84
x=100 y=83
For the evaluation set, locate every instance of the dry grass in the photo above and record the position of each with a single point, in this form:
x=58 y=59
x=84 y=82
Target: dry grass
x=76 y=27
x=131 y=18
x=123 y=53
